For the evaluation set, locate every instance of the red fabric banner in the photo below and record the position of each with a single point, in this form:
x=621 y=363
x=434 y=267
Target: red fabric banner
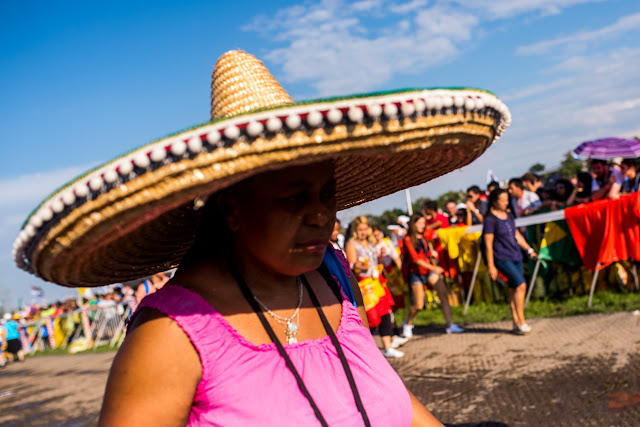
x=606 y=231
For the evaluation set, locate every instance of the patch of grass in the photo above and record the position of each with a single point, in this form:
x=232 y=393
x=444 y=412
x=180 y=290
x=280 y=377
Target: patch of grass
x=603 y=302
x=61 y=351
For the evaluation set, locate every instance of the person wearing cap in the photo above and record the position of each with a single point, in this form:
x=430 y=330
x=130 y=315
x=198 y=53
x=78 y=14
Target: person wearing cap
x=262 y=323
x=12 y=336
x=459 y=217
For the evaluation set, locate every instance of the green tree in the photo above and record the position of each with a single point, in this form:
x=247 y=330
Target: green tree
x=387 y=217
x=450 y=196
x=418 y=204
x=570 y=167
x=537 y=168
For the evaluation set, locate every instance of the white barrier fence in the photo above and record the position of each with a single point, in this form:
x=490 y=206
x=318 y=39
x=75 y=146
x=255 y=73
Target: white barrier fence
x=78 y=330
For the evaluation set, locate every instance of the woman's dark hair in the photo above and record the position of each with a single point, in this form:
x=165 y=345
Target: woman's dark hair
x=431 y=206
x=568 y=189
x=494 y=185
x=493 y=196
x=630 y=163
x=413 y=232
x=585 y=179
x=213 y=237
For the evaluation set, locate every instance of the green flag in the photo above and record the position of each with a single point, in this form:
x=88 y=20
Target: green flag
x=558 y=245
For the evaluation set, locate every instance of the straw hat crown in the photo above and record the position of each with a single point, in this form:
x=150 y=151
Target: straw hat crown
x=241 y=83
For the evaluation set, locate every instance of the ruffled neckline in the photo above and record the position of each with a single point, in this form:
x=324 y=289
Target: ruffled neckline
x=346 y=307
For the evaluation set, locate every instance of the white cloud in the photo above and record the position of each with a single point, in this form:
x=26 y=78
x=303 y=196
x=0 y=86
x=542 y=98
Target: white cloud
x=408 y=7
x=332 y=45
x=367 y=5
x=32 y=188
x=508 y=8
x=537 y=89
x=20 y=195
x=441 y=22
x=602 y=100
x=622 y=25
x=327 y=44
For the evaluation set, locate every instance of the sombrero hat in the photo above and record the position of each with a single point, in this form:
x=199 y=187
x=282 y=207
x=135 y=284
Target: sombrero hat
x=137 y=214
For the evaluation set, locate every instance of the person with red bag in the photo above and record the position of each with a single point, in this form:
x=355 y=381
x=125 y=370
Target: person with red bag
x=378 y=301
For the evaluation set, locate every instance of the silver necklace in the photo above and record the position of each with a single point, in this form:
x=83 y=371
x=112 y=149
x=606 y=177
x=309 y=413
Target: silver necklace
x=290 y=327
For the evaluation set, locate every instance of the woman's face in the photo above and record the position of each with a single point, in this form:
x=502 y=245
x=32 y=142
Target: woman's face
x=362 y=231
x=284 y=219
x=560 y=189
x=502 y=202
x=378 y=235
x=421 y=223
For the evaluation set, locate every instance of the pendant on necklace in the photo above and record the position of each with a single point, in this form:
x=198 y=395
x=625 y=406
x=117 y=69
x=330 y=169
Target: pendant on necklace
x=291 y=331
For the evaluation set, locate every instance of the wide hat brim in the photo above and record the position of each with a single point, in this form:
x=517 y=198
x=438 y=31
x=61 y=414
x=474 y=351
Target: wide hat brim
x=137 y=214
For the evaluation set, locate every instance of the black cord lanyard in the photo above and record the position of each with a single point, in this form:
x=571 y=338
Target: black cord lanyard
x=345 y=365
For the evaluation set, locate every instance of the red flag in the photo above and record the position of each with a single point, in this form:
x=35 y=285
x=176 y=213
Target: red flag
x=606 y=231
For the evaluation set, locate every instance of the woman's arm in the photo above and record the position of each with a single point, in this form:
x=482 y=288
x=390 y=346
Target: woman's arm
x=434 y=225
x=522 y=242
x=352 y=256
x=153 y=377
x=415 y=257
x=488 y=244
x=394 y=255
x=421 y=415
x=359 y=302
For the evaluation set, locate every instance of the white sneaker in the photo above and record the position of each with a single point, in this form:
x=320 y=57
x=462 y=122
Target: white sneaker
x=521 y=329
x=392 y=353
x=454 y=329
x=407 y=330
x=525 y=328
x=398 y=341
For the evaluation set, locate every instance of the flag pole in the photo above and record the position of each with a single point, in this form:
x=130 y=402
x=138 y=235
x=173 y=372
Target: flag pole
x=593 y=286
x=409 y=205
x=533 y=281
x=474 y=276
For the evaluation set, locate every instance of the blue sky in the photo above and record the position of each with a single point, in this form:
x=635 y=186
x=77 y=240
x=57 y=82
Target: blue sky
x=82 y=82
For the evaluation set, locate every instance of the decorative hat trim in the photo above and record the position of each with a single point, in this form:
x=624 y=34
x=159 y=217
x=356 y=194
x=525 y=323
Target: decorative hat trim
x=226 y=132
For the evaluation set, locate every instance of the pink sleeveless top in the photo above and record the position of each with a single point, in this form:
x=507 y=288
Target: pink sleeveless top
x=244 y=384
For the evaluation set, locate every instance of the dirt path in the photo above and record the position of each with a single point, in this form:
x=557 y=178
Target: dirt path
x=577 y=371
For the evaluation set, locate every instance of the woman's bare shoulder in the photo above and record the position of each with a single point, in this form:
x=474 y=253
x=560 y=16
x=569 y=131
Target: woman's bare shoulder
x=154 y=375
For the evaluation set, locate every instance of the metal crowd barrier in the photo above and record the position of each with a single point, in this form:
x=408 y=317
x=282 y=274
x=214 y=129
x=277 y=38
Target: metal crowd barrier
x=78 y=330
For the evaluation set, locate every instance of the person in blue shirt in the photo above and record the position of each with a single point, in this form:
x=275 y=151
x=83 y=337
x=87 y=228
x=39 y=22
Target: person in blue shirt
x=503 y=244
x=12 y=335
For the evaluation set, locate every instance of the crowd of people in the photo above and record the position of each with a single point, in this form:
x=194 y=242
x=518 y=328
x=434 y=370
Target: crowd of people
x=108 y=304
x=411 y=262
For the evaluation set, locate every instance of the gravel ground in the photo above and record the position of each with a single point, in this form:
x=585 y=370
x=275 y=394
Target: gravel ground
x=576 y=371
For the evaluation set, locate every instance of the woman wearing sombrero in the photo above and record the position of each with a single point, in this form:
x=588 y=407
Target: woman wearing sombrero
x=261 y=324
